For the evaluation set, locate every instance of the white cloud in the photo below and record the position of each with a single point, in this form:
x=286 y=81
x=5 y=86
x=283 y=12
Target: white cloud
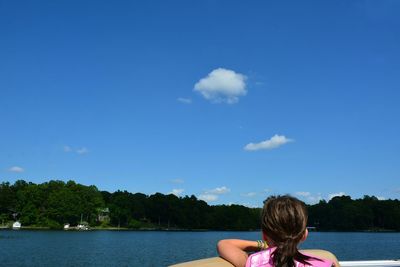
x=274 y=142
x=184 y=100
x=208 y=197
x=303 y=194
x=177 y=192
x=252 y=206
x=16 y=169
x=213 y=194
x=381 y=198
x=177 y=181
x=219 y=190
x=249 y=194
x=332 y=195
x=314 y=199
x=222 y=85
x=82 y=150
x=309 y=197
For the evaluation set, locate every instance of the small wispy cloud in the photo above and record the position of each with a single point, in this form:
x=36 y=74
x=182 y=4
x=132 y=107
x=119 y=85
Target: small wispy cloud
x=249 y=194
x=16 y=169
x=381 y=198
x=213 y=194
x=219 y=190
x=251 y=206
x=314 y=198
x=222 y=85
x=274 y=142
x=309 y=197
x=339 y=194
x=208 y=197
x=303 y=194
x=80 y=151
x=177 y=181
x=184 y=100
x=177 y=192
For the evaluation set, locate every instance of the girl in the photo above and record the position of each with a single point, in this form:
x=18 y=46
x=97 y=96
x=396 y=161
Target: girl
x=284 y=226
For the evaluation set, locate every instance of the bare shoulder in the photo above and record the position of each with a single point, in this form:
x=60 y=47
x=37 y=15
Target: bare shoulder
x=323 y=254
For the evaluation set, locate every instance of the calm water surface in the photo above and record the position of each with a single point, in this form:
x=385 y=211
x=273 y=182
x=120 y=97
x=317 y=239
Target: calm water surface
x=125 y=248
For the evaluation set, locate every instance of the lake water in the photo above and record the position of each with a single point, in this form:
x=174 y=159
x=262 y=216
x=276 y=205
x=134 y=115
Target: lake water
x=130 y=248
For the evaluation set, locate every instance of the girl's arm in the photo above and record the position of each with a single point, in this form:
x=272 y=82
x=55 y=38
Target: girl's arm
x=234 y=250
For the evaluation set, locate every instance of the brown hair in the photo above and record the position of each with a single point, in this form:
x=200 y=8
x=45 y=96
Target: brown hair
x=284 y=222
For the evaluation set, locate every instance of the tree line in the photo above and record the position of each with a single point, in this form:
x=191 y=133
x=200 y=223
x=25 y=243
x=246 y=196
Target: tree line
x=365 y=214
x=54 y=203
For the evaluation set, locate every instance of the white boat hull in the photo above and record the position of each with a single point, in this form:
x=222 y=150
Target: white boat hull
x=376 y=263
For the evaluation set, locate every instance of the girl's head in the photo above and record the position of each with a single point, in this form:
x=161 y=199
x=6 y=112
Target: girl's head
x=284 y=225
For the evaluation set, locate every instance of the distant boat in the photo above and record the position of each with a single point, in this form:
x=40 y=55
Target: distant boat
x=16 y=225
x=82 y=227
x=66 y=226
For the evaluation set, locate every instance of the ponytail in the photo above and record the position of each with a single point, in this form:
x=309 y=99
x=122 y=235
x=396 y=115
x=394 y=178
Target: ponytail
x=284 y=254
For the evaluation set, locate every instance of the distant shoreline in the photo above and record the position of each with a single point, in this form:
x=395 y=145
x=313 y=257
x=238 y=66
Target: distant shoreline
x=43 y=228
x=57 y=204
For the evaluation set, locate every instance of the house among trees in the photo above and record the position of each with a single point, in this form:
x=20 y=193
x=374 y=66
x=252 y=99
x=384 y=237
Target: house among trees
x=103 y=215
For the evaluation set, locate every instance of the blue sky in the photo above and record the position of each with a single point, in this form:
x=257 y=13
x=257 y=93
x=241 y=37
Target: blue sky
x=228 y=100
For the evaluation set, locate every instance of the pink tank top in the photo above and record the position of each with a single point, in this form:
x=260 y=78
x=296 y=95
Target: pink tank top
x=263 y=259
